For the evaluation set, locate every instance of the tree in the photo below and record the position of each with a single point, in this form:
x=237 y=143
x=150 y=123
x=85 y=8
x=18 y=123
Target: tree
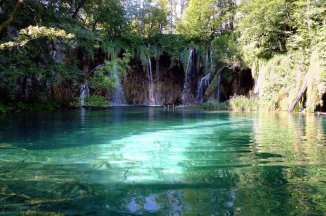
x=308 y=19
x=13 y=16
x=206 y=20
x=147 y=18
x=105 y=15
x=263 y=27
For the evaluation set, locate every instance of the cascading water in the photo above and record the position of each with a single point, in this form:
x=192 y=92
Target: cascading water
x=151 y=99
x=204 y=83
x=206 y=62
x=158 y=95
x=212 y=59
x=187 y=84
x=84 y=93
x=258 y=84
x=118 y=97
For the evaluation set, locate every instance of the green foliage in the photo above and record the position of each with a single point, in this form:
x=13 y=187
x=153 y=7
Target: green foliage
x=148 y=18
x=171 y=44
x=297 y=30
x=213 y=105
x=96 y=101
x=38 y=213
x=203 y=20
x=35 y=32
x=185 y=52
x=283 y=41
x=242 y=103
x=34 y=61
x=157 y=45
x=105 y=15
x=103 y=79
x=282 y=77
x=226 y=49
x=309 y=18
x=263 y=27
x=317 y=81
x=20 y=106
x=2 y=108
x=91 y=101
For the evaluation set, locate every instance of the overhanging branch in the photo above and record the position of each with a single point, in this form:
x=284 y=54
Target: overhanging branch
x=12 y=18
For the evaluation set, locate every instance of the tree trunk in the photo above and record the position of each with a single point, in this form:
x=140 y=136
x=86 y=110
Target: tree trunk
x=213 y=84
x=12 y=18
x=300 y=94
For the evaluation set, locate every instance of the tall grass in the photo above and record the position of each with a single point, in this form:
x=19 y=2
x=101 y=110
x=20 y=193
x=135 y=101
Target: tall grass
x=242 y=103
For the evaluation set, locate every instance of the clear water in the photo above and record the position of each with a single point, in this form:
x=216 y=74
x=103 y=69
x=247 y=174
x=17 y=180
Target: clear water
x=151 y=161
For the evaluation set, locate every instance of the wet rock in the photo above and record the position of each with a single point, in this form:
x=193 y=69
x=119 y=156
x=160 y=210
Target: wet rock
x=169 y=85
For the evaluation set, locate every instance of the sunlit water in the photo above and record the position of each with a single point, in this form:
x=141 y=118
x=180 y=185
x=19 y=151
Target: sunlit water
x=151 y=161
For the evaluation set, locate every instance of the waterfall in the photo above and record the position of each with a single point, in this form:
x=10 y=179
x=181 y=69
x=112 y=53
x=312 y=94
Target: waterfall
x=258 y=84
x=203 y=85
x=151 y=99
x=158 y=95
x=84 y=92
x=118 y=97
x=206 y=62
x=212 y=59
x=187 y=84
x=205 y=81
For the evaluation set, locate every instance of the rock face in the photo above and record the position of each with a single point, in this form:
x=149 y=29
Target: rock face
x=173 y=85
x=190 y=87
x=228 y=82
x=167 y=84
x=243 y=82
x=160 y=82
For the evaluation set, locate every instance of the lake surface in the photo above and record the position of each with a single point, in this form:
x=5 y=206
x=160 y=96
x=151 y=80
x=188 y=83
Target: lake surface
x=151 y=161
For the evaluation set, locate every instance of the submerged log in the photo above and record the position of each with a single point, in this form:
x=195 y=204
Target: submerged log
x=299 y=96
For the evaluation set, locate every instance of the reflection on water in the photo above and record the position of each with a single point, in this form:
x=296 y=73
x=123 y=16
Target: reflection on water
x=153 y=161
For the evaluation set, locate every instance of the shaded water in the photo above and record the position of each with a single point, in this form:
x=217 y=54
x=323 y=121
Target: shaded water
x=150 y=161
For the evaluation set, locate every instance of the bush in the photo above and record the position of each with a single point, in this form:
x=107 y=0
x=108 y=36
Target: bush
x=2 y=108
x=96 y=101
x=213 y=105
x=242 y=103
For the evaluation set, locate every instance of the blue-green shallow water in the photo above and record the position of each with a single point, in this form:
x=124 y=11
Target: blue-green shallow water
x=150 y=161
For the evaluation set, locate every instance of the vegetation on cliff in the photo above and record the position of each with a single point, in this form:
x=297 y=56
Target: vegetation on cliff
x=48 y=48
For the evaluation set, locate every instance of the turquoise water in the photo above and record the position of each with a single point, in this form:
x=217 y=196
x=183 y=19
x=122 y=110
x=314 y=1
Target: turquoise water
x=151 y=161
